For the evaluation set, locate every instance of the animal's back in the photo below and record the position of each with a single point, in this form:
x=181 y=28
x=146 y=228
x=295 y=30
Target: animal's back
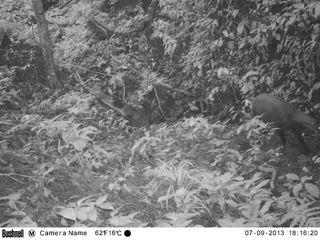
x=284 y=116
x=274 y=109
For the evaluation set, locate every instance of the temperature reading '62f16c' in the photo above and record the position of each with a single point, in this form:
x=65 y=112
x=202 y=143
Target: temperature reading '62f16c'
x=115 y=233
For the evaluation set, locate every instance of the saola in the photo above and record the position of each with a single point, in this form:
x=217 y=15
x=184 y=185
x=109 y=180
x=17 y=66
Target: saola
x=284 y=116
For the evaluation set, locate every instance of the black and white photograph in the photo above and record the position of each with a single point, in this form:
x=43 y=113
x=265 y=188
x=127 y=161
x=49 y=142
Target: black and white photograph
x=159 y=114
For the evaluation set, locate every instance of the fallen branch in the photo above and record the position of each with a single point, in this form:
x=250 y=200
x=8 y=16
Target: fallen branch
x=100 y=97
x=175 y=89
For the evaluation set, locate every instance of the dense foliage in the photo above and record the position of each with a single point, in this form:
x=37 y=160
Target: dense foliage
x=133 y=138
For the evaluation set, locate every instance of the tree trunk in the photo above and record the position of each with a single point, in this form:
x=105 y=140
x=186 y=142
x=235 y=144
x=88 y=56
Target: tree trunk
x=46 y=44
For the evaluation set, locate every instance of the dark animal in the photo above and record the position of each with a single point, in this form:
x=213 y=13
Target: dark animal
x=284 y=116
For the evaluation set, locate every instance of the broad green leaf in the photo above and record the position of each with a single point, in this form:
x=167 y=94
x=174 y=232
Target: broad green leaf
x=312 y=189
x=68 y=213
x=240 y=27
x=292 y=176
x=296 y=189
x=317 y=10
